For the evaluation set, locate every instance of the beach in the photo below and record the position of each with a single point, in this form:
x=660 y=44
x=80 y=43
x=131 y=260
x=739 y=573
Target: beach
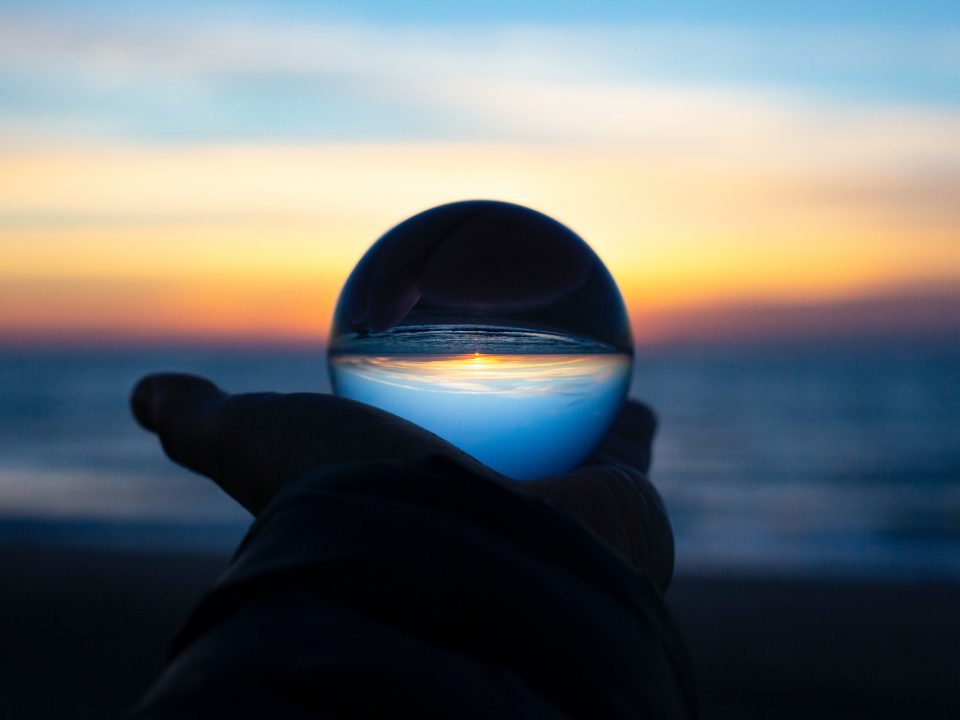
x=86 y=631
x=813 y=493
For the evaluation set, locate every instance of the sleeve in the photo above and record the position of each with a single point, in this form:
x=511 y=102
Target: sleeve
x=420 y=590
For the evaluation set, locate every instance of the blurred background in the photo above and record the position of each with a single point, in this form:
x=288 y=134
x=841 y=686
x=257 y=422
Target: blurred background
x=186 y=186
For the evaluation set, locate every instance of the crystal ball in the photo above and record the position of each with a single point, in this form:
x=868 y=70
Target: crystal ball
x=491 y=325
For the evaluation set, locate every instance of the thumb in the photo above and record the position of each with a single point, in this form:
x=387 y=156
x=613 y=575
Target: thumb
x=618 y=503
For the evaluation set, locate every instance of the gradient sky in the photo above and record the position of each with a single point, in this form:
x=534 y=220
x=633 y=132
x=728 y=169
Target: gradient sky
x=215 y=170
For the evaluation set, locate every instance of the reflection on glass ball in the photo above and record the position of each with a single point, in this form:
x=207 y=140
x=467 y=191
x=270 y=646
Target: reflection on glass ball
x=491 y=325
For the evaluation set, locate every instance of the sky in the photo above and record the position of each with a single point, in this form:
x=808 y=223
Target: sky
x=213 y=171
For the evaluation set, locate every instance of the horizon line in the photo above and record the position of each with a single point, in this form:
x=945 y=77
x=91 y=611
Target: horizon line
x=893 y=312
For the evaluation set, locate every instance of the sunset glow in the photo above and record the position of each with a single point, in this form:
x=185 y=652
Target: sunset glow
x=697 y=195
x=487 y=374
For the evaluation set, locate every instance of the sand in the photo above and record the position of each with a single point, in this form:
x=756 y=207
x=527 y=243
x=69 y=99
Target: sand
x=84 y=632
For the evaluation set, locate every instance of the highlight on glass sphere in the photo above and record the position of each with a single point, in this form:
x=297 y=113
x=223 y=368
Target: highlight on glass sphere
x=491 y=325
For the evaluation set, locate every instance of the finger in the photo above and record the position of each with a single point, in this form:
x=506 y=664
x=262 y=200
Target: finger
x=622 y=507
x=251 y=445
x=179 y=408
x=636 y=421
x=630 y=441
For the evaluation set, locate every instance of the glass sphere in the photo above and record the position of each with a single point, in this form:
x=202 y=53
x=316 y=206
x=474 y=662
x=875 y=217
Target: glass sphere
x=491 y=325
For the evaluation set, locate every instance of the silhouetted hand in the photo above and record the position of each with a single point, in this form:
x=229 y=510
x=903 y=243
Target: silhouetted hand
x=251 y=445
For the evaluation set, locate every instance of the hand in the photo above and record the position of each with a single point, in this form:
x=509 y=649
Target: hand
x=251 y=445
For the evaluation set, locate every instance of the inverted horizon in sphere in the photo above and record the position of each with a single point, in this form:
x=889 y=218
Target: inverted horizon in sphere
x=525 y=416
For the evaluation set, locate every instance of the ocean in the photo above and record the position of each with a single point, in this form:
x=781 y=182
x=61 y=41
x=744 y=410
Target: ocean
x=817 y=459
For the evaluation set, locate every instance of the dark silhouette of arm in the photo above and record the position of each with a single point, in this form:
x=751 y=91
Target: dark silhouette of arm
x=400 y=578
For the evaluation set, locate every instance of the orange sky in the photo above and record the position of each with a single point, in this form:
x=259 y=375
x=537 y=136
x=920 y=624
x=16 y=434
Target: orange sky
x=254 y=241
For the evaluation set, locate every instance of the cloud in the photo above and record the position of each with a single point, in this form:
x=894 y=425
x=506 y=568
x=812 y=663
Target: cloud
x=907 y=313
x=225 y=44
x=208 y=78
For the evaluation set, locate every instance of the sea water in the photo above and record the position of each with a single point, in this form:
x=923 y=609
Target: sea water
x=526 y=403
x=805 y=460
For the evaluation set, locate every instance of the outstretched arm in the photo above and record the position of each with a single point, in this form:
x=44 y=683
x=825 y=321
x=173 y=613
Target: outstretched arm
x=388 y=574
x=252 y=445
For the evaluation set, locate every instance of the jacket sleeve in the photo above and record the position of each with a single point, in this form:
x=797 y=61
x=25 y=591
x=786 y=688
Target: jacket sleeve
x=421 y=590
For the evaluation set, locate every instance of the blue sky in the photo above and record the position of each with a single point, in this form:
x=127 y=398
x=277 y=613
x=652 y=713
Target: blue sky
x=183 y=71
x=750 y=11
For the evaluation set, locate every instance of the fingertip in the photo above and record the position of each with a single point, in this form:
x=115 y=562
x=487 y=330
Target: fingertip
x=141 y=403
x=638 y=420
x=154 y=395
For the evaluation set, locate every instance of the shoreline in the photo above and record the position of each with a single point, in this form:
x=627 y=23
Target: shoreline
x=922 y=560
